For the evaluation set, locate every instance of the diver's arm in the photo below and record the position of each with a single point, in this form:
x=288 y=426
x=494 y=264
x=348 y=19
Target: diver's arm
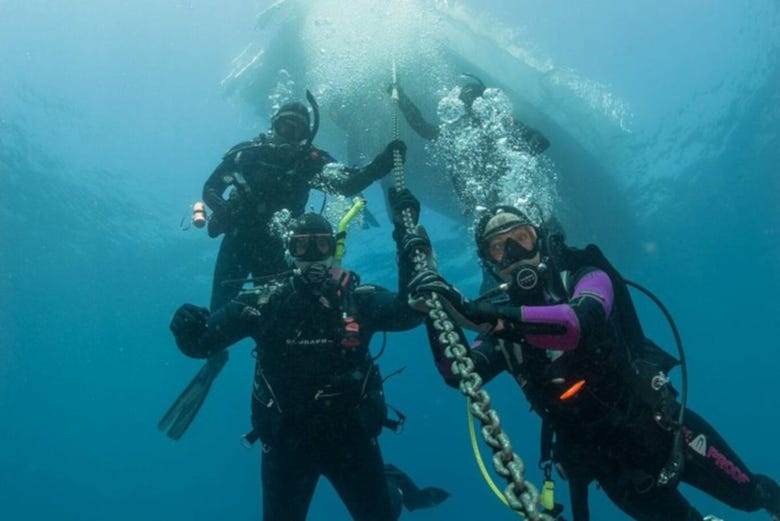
x=388 y=310
x=221 y=178
x=352 y=180
x=216 y=185
x=384 y=310
x=562 y=326
x=199 y=334
x=415 y=118
x=528 y=139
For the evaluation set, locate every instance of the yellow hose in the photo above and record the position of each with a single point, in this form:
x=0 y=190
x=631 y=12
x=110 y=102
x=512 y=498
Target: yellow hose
x=481 y=463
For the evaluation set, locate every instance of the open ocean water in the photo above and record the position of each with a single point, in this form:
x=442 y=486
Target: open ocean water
x=113 y=114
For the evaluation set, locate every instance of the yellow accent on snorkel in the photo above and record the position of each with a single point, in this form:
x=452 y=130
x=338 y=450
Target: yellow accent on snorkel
x=341 y=235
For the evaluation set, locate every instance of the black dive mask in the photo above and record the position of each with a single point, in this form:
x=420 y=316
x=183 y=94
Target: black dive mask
x=513 y=253
x=312 y=247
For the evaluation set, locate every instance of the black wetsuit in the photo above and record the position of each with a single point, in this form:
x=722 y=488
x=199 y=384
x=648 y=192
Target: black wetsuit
x=266 y=178
x=318 y=404
x=616 y=429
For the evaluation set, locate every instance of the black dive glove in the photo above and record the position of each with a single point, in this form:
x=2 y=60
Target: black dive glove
x=401 y=200
x=188 y=325
x=383 y=163
x=479 y=316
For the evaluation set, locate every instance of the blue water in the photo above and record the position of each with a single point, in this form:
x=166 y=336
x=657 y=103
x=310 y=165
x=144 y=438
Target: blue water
x=111 y=118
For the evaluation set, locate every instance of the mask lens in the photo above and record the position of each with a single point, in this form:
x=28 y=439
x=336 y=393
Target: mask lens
x=324 y=243
x=525 y=236
x=299 y=245
x=290 y=129
x=312 y=247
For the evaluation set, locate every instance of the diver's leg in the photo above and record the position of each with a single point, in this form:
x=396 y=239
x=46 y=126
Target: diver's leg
x=578 y=495
x=354 y=466
x=289 y=475
x=712 y=466
x=229 y=266
x=653 y=504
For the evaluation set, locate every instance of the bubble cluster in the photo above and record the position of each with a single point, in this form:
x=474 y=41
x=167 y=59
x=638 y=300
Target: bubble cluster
x=283 y=91
x=280 y=222
x=486 y=156
x=330 y=175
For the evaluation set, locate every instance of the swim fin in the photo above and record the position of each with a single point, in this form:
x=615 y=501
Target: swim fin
x=369 y=219
x=412 y=496
x=183 y=411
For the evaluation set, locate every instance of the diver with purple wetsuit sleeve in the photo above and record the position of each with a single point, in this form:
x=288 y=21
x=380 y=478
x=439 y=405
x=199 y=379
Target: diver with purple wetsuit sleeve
x=563 y=325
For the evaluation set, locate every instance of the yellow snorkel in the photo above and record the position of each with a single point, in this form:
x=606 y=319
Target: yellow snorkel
x=341 y=232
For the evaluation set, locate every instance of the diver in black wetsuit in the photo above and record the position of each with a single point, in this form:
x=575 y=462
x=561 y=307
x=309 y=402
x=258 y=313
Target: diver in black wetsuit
x=482 y=157
x=272 y=172
x=318 y=404
x=565 y=328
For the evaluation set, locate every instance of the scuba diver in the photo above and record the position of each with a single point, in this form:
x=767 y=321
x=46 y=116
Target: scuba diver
x=483 y=154
x=272 y=172
x=562 y=323
x=318 y=405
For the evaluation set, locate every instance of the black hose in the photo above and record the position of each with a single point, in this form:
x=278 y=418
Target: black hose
x=670 y=473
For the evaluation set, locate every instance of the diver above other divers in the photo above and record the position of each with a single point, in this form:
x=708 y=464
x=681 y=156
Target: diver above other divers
x=477 y=152
x=318 y=405
x=562 y=323
x=274 y=171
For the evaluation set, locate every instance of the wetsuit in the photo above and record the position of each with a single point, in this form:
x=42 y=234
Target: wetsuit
x=266 y=178
x=615 y=429
x=317 y=404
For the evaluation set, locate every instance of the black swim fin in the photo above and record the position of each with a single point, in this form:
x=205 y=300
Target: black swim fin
x=179 y=416
x=412 y=496
x=369 y=219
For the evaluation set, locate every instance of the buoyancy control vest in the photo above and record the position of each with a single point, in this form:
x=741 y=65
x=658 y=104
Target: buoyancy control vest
x=317 y=365
x=267 y=177
x=627 y=364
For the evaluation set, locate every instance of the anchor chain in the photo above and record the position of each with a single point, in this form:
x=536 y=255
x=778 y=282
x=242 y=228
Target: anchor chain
x=521 y=495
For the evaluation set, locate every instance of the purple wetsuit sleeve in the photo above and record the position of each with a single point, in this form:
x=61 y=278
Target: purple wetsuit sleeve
x=596 y=284
x=568 y=320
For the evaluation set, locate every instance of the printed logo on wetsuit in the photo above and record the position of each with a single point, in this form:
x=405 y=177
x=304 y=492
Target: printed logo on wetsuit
x=699 y=444
x=308 y=341
x=527 y=278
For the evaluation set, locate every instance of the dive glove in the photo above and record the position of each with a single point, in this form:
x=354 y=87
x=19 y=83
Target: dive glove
x=401 y=200
x=478 y=316
x=188 y=324
x=384 y=162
